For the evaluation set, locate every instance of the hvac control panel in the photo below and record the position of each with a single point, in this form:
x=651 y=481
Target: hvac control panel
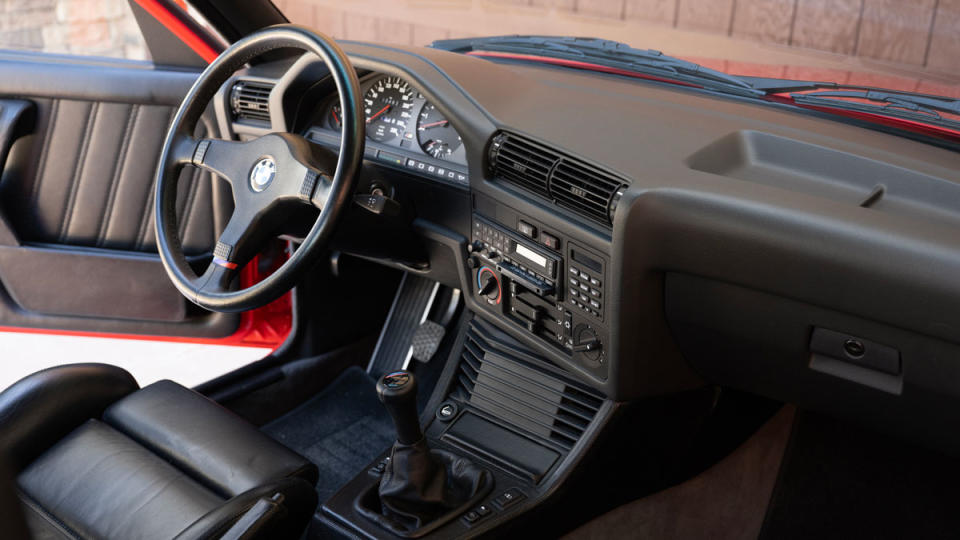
x=550 y=286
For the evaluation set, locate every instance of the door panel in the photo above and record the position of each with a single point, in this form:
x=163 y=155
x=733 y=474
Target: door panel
x=88 y=179
x=77 y=246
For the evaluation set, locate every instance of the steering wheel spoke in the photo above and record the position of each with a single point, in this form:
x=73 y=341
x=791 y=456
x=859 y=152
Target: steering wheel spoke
x=231 y=249
x=268 y=176
x=223 y=158
x=182 y=149
x=215 y=280
x=323 y=186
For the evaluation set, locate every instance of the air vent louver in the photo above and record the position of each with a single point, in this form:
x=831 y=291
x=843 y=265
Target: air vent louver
x=567 y=181
x=250 y=101
x=543 y=404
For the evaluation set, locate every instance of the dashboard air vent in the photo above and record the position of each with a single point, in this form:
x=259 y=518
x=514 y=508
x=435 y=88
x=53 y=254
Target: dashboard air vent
x=249 y=100
x=565 y=180
x=529 y=397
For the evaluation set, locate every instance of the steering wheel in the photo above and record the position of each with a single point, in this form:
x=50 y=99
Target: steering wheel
x=269 y=176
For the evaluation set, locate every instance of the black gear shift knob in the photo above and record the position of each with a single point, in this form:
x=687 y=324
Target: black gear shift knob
x=398 y=392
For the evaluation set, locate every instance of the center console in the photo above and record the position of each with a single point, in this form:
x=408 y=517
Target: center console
x=498 y=405
x=532 y=277
x=517 y=399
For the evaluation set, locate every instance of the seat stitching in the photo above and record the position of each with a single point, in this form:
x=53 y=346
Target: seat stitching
x=144 y=222
x=35 y=189
x=119 y=167
x=80 y=166
x=148 y=210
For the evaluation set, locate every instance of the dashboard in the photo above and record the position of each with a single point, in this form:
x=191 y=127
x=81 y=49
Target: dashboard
x=648 y=239
x=404 y=130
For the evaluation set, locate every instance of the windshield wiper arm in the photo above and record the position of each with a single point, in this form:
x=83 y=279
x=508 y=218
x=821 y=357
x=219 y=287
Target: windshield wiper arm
x=902 y=100
x=607 y=53
x=907 y=107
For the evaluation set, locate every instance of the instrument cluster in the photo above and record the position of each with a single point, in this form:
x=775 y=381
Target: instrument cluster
x=397 y=115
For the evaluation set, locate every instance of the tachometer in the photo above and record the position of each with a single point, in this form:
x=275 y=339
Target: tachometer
x=435 y=134
x=388 y=104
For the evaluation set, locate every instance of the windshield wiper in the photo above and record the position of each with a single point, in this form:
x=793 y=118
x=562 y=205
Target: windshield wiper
x=613 y=54
x=917 y=108
x=893 y=99
x=608 y=53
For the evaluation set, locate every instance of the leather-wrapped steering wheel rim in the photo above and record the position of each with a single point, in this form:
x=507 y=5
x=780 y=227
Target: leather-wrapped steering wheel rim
x=276 y=169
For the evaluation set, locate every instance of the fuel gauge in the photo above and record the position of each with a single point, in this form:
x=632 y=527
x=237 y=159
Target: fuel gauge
x=334 y=118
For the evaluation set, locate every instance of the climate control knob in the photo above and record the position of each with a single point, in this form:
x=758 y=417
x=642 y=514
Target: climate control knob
x=488 y=285
x=586 y=343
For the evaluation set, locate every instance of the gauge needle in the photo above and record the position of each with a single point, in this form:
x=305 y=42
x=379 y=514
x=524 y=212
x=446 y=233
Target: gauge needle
x=434 y=124
x=378 y=113
x=335 y=117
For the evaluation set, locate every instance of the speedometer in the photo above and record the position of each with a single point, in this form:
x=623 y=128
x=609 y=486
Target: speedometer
x=388 y=104
x=435 y=134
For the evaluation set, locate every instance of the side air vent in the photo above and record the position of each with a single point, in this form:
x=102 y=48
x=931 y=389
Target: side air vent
x=249 y=100
x=524 y=395
x=565 y=180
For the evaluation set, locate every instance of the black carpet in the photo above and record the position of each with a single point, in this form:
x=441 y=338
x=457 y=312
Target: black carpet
x=342 y=429
x=842 y=481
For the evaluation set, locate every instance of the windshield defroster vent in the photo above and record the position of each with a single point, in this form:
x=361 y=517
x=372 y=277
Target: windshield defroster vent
x=565 y=180
x=523 y=394
x=250 y=100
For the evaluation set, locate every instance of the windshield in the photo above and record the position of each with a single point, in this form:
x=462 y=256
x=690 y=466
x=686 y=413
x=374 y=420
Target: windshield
x=904 y=46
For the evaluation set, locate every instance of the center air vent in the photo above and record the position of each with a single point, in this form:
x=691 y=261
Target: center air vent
x=565 y=180
x=249 y=100
x=527 y=396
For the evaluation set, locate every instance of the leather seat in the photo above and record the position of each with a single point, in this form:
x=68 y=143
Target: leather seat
x=96 y=457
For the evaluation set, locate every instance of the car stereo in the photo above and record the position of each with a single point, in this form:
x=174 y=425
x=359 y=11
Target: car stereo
x=519 y=274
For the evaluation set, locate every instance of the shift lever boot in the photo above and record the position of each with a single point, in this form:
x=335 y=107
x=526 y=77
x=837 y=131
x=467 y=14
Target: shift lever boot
x=420 y=488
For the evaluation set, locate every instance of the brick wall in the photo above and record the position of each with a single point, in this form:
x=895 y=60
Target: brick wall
x=90 y=27
x=924 y=33
x=911 y=44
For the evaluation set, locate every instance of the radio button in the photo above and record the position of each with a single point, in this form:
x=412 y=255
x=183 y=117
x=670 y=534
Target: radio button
x=595 y=304
x=527 y=229
x=584 y=287
x=595 y=282
x=584 y=275
x=595 y=293
x=549 y=240
x=574 y=271
x=574 y=282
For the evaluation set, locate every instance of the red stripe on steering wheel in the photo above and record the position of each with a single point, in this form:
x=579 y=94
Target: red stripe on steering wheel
x=224 y=263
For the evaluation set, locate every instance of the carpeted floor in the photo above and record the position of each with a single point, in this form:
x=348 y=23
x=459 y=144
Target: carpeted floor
x=342 y=429
x=840 y=480
x=727 y=501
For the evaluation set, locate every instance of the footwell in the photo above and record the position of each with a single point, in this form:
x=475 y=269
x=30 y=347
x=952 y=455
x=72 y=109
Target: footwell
x=342 y=429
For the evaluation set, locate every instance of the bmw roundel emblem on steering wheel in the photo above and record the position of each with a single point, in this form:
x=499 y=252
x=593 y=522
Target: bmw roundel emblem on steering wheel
x=262 y=174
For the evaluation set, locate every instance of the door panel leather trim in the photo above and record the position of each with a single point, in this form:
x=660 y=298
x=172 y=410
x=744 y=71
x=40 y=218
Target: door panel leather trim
x=99 y=283
x=89 y=184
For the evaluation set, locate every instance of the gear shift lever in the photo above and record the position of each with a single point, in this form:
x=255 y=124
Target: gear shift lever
x=420 y=487
x=398 y=393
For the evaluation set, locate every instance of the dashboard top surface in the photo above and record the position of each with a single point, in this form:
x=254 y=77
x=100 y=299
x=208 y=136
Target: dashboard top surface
x=731 y=190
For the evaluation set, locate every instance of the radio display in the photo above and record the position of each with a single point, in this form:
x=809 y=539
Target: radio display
x=531 y=255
